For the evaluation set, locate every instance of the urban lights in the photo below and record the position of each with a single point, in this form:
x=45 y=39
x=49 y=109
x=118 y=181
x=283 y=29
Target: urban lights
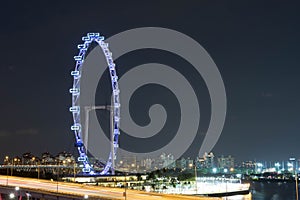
x=290 y=166
x=259 y=167
x=75 y=109
x=18 y=192
x=12 y=195
x=214 y=170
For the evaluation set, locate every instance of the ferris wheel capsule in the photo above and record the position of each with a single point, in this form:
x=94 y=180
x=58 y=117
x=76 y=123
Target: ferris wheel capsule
x=86 y=170
x=86 y=38
x=75 y=73
x=81 y=158
x=78 y=58
x=74 y=91
x=91 y=34
x=82 y=46
x=75 y=127
x=75 y=109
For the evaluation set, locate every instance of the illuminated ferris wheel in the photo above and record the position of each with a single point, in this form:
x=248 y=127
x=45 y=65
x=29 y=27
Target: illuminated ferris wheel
x=75 y=109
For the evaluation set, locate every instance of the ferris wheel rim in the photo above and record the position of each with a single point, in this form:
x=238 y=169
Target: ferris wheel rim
x=75 y=109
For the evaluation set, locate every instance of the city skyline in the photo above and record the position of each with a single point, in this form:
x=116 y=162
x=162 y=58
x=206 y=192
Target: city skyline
x=208 y=161
x=254 y=46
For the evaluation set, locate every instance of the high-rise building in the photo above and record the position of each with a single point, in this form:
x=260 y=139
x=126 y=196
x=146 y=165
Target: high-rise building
x=209 y=160
x=181 y=163
x=225 y=162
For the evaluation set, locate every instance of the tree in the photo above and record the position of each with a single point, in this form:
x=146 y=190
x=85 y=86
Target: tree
x=185 y=176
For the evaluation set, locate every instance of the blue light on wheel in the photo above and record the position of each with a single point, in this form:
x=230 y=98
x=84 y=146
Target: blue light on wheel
x=75 y=108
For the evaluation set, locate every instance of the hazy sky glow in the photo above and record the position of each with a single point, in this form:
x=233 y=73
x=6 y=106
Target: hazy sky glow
x=255 y=45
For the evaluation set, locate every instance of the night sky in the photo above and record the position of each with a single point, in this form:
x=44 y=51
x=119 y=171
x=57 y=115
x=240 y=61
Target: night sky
x=255 y=45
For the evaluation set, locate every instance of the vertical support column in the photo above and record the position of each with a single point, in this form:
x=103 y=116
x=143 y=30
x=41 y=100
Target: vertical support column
x=112 y=148
x=86 y=129
x=38 y=168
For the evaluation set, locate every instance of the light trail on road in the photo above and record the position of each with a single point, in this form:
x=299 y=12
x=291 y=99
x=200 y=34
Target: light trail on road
x=91 y=191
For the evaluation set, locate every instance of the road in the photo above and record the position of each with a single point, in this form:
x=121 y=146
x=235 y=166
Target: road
x=91 y=191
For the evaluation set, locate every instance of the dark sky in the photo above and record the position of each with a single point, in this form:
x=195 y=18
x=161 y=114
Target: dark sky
x=255 y=45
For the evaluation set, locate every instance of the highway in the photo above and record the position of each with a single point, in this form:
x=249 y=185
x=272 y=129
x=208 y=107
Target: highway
x=91 y=191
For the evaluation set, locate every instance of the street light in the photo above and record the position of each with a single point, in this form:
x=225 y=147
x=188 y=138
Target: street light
x=11 y=195
x=214 y=170
x=6 y=160
x=86 y=196
x=17 y=189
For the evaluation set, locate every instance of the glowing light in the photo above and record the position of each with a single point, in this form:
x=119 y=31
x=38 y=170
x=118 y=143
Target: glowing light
x=11 y=195
x=91 y=34
x=75 y=91
x=290 y=164
x=259 y=164
x=75 y=73
x=85 y=38
x=75 y=127
x=74 y=109
x=78 y=58
x=81 y=46
x=259 y=170
x=86 y=170
x=81 y=159
x=214 y=170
